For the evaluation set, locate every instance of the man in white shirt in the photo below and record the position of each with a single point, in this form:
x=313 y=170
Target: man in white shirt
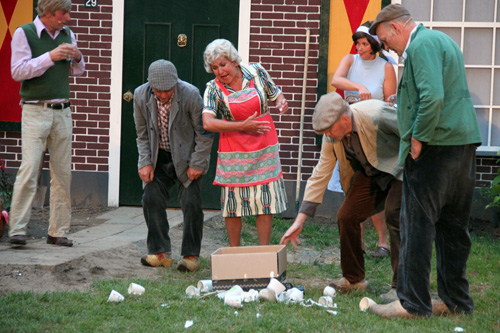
x=44 y=55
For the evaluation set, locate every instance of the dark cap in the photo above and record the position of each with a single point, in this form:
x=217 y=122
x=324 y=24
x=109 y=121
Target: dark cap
x=328 y=110
x=387 y=14
x=162 y=75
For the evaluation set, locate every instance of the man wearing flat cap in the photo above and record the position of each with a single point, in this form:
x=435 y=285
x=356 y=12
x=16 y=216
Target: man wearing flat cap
x=364 y=139
x=439 y=137
x=174 y=149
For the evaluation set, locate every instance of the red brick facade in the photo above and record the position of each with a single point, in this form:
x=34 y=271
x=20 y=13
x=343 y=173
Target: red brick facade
x=277 y=40
x=91 y=91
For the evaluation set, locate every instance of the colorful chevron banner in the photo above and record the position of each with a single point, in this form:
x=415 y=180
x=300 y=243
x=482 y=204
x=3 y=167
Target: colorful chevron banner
x=345 y=17
x=13 y=13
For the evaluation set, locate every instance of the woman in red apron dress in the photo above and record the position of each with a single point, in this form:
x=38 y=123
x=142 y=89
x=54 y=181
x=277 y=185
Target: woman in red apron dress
x=248 y=164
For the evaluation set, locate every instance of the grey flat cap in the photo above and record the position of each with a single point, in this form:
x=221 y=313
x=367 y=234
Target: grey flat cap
x=162 y=75
x=328 y=110
x=387 y=14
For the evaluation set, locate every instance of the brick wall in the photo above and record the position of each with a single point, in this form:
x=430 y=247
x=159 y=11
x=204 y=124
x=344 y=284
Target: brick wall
x=278 y=35
x=90 y=93
x=277 y=41
x=486 y=170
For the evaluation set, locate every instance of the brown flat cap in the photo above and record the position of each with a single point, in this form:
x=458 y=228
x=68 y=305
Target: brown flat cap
x=328 y=110
x=388 y=13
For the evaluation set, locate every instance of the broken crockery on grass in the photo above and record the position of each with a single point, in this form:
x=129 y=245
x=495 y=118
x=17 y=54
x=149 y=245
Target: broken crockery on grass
x=326 y=301
x=205 y=286
x=136 y=289
x=296 y=295
x=250 y=296
x=233 y=300
x=334 y=313
x=267 y=295
x=192 y=291
x=329 y=291
x=276 y=286
x=235 y=290
x=115 y=297
x=365 y=303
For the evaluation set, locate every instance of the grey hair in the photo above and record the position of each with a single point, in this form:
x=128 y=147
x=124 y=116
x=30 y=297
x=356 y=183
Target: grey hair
x=219 y=48
x=404 y=20
x=52 y=6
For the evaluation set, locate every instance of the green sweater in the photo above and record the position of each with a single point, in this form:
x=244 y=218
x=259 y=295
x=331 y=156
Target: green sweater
x=54 y=83
x=434 y=104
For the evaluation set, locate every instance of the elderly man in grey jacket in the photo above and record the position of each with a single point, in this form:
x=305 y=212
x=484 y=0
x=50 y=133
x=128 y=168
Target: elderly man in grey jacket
x=174 y=149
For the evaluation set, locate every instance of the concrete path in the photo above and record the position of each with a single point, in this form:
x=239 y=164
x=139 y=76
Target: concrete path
x=124 y=225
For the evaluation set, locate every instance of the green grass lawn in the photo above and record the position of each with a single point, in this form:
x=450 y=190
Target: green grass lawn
x=165 y=308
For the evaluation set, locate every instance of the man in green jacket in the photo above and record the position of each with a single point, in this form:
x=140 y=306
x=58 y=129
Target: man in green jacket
x=439 y=136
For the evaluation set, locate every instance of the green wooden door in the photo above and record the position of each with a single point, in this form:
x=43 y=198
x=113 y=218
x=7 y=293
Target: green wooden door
x=151 y=32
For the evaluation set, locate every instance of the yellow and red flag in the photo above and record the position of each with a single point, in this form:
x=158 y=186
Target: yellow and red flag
x=13 y=13
x=345 y=17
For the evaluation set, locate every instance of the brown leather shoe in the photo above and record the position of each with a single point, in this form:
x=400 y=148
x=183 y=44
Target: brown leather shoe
x=59 y=241
x=344 y=285
x=18 y=240
x=157 y=260
x=381 y=252
x=188 y=264
x=439 y=308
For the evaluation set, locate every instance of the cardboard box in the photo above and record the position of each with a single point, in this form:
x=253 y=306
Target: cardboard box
x=248 y=266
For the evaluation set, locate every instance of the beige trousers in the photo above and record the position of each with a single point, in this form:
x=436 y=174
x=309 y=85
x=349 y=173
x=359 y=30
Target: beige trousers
x=42 y=125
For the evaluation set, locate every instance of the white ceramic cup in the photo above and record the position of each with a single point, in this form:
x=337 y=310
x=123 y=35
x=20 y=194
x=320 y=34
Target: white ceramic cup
x=329 y=291
x=136 y=289
x=267 y=295
x=250 y=296
x=276 y=286
x=296 y=295
x=365 y=304
x=235 y=290
x=205 y=286
x=192 y=291
x=115 y=297
x=233 y=300
x=326 y=301
x=283 y=296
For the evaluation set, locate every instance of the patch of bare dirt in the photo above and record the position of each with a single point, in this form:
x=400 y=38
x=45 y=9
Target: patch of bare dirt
x=124 y=262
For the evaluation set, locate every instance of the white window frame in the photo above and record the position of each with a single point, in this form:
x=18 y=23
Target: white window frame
x=486 y=148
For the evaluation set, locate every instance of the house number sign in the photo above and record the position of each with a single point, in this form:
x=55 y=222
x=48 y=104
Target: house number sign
x=91 y=3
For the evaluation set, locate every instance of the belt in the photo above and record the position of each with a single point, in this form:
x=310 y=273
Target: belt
x=58 y=106
x=55 y=106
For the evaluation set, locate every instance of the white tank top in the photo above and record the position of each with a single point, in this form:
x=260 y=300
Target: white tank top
x=370 y=73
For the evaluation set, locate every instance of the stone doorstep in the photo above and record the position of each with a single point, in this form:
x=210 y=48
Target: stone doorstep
x=125 y=225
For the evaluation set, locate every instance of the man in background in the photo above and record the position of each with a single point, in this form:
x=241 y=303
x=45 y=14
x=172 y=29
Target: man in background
x=44 y=55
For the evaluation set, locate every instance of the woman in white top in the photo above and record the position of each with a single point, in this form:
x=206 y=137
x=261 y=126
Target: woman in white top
x=365 y=76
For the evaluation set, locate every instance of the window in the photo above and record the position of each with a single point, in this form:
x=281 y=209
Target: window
x=475 y=26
